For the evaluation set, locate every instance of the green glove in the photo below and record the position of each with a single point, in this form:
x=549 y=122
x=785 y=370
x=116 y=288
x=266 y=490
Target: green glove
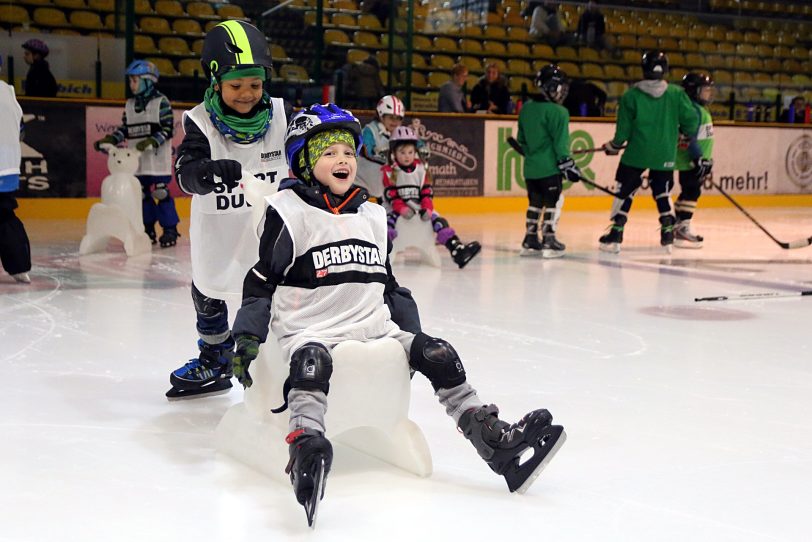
x=247 y=351
x=146 y=143
x=106 y=140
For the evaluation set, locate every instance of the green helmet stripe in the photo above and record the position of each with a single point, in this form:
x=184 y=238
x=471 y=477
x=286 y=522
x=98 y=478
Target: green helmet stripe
x=238 y=37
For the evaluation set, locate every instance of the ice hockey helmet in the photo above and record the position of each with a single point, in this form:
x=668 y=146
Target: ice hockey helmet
x=655 y=65
x=234 y=44
x=694 y=82
x=552 y=82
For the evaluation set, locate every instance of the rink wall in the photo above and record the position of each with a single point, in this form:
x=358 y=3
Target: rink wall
x=472 y=165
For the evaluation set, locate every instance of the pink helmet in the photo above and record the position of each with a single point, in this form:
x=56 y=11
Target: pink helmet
x=389 y=105
x=37 y=46
x=402 y=135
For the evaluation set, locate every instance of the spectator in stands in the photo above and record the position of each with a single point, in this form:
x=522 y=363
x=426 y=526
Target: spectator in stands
x=15 y=250
x=545 y=23
x=379 y=8
x=491 y=93
x=40 y=81
x=592 y=27
x=362 y=83
x=584 y=99
x=452 y=94
x=796 y=112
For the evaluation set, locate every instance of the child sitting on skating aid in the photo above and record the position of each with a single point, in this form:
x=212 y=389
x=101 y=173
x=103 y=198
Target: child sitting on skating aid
x=320 y=280
x=407 y=190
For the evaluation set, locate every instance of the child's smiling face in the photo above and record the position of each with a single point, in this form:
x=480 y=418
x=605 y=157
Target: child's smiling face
x=336 y=168
x=241 y=94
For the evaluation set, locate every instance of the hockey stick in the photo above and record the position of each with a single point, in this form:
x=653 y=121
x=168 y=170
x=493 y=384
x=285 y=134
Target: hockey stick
x=518 y=148
x=595 y=149
x=754 y=296
x=800 y=243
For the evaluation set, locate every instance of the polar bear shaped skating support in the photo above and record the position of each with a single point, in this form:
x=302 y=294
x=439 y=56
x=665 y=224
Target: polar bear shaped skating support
x=418 y=234
x=368 y=407
x=119 y=215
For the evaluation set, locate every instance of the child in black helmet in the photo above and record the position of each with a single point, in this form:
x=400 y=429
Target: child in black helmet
x=321 y=279
x=237 y=130
x=651 y=115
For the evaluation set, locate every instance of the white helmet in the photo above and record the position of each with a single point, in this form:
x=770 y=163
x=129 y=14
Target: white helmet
x=389 y=105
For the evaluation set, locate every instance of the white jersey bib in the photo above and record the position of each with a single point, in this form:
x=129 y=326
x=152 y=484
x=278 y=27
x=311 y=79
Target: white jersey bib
x=333 y=290
x=10 y=116
x=369 y=173
x=154 y=161
x=224 y=245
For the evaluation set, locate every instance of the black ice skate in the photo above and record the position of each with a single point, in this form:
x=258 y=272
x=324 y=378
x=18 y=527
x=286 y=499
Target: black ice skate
x=462 y=253
x=684 y=237
x=551 y=247
x=503 y=445
x=169 y=237
x=149 y=229
x=667 y=232
x=311 y=456
x=531 y=246
x=611 y=240
x=207 y=375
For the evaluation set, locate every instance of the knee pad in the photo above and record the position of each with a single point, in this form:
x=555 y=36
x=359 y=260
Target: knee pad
x=437 y=360
x=438 y=223
x=311 y=367
x=207 y=307
x=552 y=191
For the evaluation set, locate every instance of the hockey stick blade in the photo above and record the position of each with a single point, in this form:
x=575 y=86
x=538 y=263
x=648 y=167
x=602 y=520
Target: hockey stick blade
x=801 y=243
x=515 y=144
x=763 y=295
x=599 y=187
x=312 y=506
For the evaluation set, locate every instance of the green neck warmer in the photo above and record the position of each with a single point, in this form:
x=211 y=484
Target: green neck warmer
x=238 y=129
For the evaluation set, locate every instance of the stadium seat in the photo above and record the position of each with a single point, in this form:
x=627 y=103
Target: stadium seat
x=293 y=73
x=570 y=68
x=613 y=71
x=615 y=89
x=519 y=83
x=174 y=46
x=422 y=43
x=470 y=46
x=164 y=65
x=435 y=79
x=169 y=8
x=333 y=36
x=587 y=54
x=70 y=4
x=231 y=11
x=497 y=32
x=154 y=25
x=188 y=66
x=200 y=10
x=367 y=21
x=517 y=65
x=542 y=50
x=519 y=33
x=10 y=14
x=500 y=64
x=678 y=59
x=591 y=70
x=441 y=62
x=344 y=20
x=369 y=40
x=446 y=45
x=102 y=5
x=50 y=17
x=473 y=64
x=86 y=20
x=494 y=47
x=517 y=48
x=280 y=56
x=353 y=55
x=187 y=27
x=143 y=7
x=197 y=47
x=144 y=45
x=418 y=80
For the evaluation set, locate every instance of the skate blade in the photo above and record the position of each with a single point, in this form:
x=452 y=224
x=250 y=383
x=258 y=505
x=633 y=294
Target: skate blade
x=549 y=450
x=611 y=248
x=312 y=506
x=529 y=252
x=687 y=244
x=218 y=388
x=549 y=254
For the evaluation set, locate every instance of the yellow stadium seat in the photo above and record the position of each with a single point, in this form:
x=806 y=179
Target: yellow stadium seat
x=293 y=73
x=518 y=84
x=471 y=31
x=471 y=46
x=353 y=55
x=626 y=40
x=695 y=61
x=13 y=14
x=517 y=48
x=687 y=45
x=362 y=38
x=764 y=51
x=791 y=65
x=632 y=55
x=500 y=64
x=174 y=46
x=143 y=7
x=86 y=20
x=347 y=5
x=747 y=49
x=570 y=68
x=169 y=8
x=494 y=32
x=279 y=55
x=669 y=44
x=517 y=65
x=772 y=64
x=677 y=59
x=418 y=80
x=187 y=27
x=727 y=47
x=110 y=21
x=615 y=89
x=200 y=10
x=70 y=4
x=588 y=54
x=344 y=20
x=782 y=51
x=472 y=63
x=422 y=43
x=446 y=45
x=634 y=72
x=197 y=47
x=676 y=74
x=742 y=78
x=419 y=61
x=613 y=71
x=542 y=50
x=494 y=47
x=332 y=36
x=367 y=21
x=144 y=45
x=443 y=62
x=565 y=52
x=50 y=17
x=647 y=42
x=164 y=65
x=591 y=70
x=102 y=5
x=155 y=25
x=761 y=77
x=188 y=67
x=232 y=11
x=518 y=33
x=435 y=79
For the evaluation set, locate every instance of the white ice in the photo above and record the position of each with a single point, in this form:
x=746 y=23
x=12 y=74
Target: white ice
x=686 y=420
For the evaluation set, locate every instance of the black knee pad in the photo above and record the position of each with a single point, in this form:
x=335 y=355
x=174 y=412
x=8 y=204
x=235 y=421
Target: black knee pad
x=439 y=223
x=691 y=186
x=552 y=191
x=311 y=366
x=437 y=360
x=208 y=307
x=660 y=181
x=629 y=179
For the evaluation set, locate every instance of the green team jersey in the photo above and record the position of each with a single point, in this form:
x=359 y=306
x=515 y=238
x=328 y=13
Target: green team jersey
x=544 y=134
x=651 y=126
x=704 y=138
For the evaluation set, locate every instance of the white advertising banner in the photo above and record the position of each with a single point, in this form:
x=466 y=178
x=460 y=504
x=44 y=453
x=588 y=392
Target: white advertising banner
x=747 y=160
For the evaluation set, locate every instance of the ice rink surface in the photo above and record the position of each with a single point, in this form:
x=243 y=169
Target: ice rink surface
x=686 y=421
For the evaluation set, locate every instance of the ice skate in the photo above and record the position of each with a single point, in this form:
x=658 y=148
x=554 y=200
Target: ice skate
x=611 y=240
x=551 y=247
x=667 y=232
x=503 y=445
x=22 y=278
x=169 y=237
x=150 y=231
x=207 y=375
x=311 y=456
x=462 y=253
x=531 y=246
x=684 y=237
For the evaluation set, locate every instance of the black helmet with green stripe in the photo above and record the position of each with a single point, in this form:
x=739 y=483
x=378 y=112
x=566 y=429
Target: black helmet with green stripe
x=234 y=44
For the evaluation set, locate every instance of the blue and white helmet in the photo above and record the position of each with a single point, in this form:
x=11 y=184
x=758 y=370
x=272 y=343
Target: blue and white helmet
x=143 y=68
x=309 y=122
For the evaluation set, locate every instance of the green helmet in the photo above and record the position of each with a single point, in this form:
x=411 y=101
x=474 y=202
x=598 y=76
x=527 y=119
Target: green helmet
x=234 y=44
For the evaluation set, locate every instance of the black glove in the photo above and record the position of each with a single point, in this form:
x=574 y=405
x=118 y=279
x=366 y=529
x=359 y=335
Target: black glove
x=229 y=171
x=247 y=351
x=703 y=167
x=610 y=148
x=144 y=144
x=569 y=170
x=106 y=140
